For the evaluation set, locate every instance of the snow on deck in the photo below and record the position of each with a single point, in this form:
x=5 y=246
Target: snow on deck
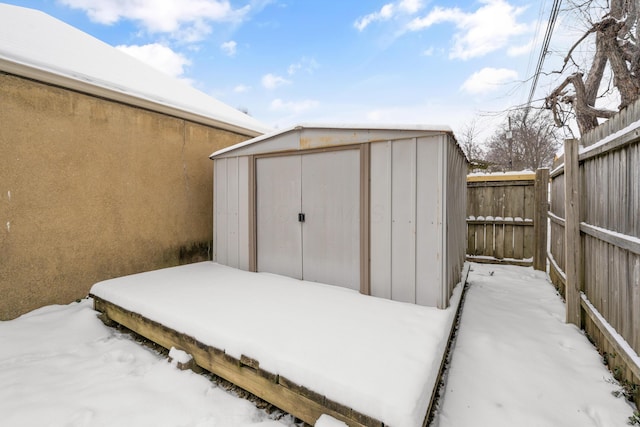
x=378 y=356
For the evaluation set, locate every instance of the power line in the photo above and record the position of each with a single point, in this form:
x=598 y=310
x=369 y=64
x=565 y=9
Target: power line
x=543 y=51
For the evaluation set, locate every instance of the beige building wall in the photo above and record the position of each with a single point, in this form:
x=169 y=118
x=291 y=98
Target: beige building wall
x=92 y=189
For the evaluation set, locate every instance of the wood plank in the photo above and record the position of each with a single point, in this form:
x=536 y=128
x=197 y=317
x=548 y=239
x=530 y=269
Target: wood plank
x=499 y=241
x=623 y=241
x=508 y=241
x=506 y=177
x=471 y=239
x=480 y=240
x=634 y=264
x=518 y=242
x=572 y=232
x=528 y=246
x=511 y=261
x=294 y=399
x=540 y=220
x=500 y=221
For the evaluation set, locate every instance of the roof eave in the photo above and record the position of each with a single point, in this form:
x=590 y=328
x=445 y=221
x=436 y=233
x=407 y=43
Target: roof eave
x=49 y=77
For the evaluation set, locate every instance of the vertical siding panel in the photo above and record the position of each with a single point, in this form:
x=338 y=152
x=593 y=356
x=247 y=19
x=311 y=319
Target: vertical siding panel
x=232 y=212
x=243 y=213
x=429 y=197
x=380 y=221
x=403 y=199
x=221 y=210
x=452 y=225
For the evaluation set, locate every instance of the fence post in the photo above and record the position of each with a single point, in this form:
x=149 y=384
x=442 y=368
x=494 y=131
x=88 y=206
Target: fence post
x=541 y=206
x=572 y=246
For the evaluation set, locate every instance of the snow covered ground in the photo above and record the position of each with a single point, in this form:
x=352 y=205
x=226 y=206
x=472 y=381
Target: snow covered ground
x=515 y=363
x=60 y=366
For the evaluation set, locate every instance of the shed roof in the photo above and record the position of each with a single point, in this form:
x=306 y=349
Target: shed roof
x=38 y=46
x=317 y=136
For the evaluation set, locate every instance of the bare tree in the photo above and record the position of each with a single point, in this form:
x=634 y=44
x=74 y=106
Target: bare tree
x=529 y=144
x=469 y=141
x=614 y=23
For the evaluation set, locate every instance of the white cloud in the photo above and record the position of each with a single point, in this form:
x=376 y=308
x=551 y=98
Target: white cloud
x=291 y=106
x=271 y=81
x=241 y=88
x=159 y=57
x=185 y=19
x=489 y=28
x=306 y=64
x=388 y=11
x=229 y=47
x=428 y=52
x=488 y=79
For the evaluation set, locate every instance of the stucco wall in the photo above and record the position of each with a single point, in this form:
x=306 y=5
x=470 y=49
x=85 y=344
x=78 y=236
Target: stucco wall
x=91 y=189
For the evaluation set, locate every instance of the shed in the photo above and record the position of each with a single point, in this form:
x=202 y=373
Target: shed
x=376 y=209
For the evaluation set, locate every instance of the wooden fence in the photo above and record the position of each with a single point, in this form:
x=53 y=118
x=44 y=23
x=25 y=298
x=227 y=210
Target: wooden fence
x=594 y=251
x=501 y=218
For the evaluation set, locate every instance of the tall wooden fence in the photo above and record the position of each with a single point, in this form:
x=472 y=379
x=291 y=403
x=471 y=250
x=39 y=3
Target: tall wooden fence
x=594 y=249
x=501 y=218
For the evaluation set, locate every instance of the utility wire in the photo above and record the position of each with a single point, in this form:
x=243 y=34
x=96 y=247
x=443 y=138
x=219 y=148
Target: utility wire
x=543 y=52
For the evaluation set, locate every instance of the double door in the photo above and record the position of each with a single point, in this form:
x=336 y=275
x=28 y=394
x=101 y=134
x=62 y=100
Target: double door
x=308 y=216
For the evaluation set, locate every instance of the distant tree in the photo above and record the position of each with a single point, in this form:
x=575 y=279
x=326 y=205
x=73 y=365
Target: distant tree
x=470 y=142
x=529 y=143
x=614 y=30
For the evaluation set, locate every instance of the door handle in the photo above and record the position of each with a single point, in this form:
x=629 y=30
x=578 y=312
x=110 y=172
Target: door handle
x=300 y=217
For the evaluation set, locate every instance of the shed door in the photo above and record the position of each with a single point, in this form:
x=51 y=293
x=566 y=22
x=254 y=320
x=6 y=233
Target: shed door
x=325 y=187
x=279 y=234
x=331 y=204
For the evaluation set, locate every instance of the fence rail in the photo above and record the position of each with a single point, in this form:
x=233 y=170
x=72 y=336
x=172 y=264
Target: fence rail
x=594 y=250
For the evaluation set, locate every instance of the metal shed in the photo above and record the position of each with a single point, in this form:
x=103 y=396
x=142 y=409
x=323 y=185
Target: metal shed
x=376 y=209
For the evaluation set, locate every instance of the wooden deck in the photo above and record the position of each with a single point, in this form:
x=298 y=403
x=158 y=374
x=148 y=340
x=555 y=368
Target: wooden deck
x=247 y=374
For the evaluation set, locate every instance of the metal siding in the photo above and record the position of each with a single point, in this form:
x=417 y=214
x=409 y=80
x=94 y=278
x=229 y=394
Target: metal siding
x=380 y=220
x=232 y=212
x=243 y=213
x=443 y=300
x=220 y=223
x=331 y=231
x=429 y=225
x=456 y=200
x=403 y=221
x=279 y=234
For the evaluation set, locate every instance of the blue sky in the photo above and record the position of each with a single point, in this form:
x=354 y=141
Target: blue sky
x=299 y=61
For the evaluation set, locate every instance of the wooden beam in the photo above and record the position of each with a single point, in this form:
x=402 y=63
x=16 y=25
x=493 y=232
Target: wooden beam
x=572 y=247
x=623 y=241
x=506 y=177
x=500 y=261
x=245 y=372
x=528 y=223
x=541 y=207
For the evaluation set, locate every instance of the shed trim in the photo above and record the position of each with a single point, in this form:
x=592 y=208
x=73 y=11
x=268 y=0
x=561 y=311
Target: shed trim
x=416 y=130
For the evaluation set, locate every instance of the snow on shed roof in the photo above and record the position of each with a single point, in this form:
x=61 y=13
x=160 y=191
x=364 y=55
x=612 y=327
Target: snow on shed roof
x=416 y=129
x=38 y=46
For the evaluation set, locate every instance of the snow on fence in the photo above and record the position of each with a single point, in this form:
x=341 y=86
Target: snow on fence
x=506 y=218
x=594 y=251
